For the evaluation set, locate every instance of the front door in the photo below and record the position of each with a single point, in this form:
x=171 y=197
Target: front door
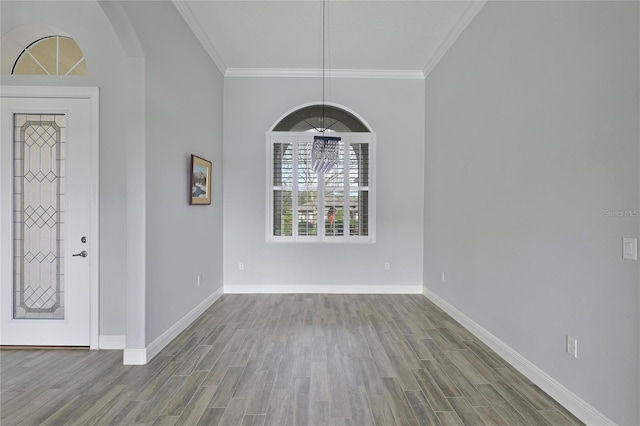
x=46 y=198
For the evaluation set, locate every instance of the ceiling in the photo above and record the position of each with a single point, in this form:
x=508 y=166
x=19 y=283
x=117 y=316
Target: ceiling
x=372 y=38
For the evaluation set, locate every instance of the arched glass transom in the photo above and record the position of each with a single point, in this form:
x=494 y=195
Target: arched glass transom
x=310 y=119
x=52 y=55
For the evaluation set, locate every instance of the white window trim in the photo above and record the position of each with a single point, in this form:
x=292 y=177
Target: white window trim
x=294 y=138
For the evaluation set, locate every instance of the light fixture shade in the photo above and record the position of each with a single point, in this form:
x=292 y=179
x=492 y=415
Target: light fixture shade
x=324 y=153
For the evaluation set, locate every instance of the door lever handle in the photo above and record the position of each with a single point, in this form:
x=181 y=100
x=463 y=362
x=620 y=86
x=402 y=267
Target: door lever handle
x=83 y=253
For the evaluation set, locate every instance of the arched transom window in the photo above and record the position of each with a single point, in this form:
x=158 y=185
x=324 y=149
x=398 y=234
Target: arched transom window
x=51 y=55
x=332 y=206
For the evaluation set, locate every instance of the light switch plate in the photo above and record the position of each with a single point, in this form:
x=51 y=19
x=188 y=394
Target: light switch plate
x=630 y=248
x=572 y=346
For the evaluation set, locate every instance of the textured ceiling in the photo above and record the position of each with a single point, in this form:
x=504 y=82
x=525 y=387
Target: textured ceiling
x=361 y=36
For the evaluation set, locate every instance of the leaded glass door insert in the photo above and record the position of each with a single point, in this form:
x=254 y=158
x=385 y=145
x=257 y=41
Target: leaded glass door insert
x=38 y=226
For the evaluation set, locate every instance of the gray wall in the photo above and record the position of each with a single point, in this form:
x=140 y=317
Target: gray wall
x=107 y=69
x=395 y=111
x=183 y=116
x=531 y=138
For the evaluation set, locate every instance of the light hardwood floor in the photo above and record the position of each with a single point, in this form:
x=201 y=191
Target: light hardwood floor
x=285 y=360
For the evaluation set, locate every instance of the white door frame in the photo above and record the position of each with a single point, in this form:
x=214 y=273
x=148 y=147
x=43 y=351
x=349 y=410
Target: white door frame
x=92 y=94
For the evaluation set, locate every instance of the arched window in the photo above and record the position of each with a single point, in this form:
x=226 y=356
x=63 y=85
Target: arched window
x=51 y=55
x=334 y=206
x=310 y=118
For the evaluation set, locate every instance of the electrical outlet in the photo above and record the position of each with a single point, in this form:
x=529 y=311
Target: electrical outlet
x=572 y=346
x=442 y=276
x=198 y=279
x=387 y=266
x=241 y=266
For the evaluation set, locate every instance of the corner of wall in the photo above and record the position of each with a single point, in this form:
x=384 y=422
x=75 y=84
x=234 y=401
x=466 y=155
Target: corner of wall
x=142 y=356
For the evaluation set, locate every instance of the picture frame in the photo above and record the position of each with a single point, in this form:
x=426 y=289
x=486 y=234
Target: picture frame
x=200 y=181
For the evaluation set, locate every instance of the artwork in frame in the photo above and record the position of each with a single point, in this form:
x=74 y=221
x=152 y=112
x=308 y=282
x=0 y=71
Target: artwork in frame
x=200 y=188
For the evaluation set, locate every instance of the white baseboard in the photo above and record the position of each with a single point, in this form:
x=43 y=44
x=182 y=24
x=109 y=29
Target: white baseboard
x=112 y=342
x=569 y=400
x=321 y=289
x=165 y=338
x=134 y=357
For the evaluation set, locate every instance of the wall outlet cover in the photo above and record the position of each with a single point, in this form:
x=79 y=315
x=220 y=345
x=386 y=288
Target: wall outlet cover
x=630 y=248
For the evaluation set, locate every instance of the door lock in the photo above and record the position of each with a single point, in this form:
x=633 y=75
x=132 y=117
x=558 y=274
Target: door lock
x=83 y=239
x=83 y=253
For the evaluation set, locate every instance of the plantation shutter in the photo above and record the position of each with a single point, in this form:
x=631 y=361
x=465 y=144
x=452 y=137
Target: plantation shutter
x=305 y=206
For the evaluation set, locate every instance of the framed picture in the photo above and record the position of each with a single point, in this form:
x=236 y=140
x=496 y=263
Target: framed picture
x=200 y=187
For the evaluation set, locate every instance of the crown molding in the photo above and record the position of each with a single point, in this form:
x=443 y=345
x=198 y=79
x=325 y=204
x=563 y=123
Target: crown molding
x=453 y=35
x=330 y=73
x=200 y=34
x=449 y=40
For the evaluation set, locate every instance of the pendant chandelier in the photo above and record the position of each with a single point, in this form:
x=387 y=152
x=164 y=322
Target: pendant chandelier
x=324 y=152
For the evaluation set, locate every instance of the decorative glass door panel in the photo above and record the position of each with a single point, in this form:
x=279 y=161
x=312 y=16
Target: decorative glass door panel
x=38 y=224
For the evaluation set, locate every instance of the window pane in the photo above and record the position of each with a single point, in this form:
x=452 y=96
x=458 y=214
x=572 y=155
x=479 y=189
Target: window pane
x=317 y=117
x=69 y=55
x=79 y=69
x=46 y=52
x=334 y=178
x=306 y=177
x=359 y=213
x=26 y=65
x=334 y=213
x=282 y=213
x=359 y=164
x=282 y=164
x=38 y=228
x=358 y=193
x=308 y=212
x=334 y=197
x=307 y=192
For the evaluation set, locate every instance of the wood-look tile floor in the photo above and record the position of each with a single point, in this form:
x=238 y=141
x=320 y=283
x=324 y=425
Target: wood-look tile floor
x=285 y=360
